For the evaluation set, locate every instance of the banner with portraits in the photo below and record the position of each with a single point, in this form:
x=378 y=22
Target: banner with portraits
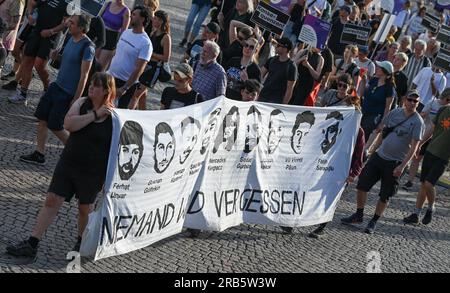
x=219 y=164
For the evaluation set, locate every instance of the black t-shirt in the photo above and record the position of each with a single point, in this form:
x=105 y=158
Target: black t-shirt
x=171 y=99
x=233 y=70
x=97 y=32
x=401 y=84
x=50 y=13
x=279 y=73
x=334 y=42
x=234 y=50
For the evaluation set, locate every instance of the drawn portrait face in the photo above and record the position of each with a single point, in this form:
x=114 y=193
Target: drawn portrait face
x=130 y=149
x=164 y=147
x=230 y=129
x=331 y=132
x=190 y=129
x=252 y=129
x=275 y=131
x=209 y=130
x=303 y=123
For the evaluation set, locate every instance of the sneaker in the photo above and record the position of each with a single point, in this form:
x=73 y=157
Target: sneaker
x=8 y=76
x=18 y=98
x=23 y=249
x=411 y=219
x=407 y=186
x=35 y=158
x=316 y=234
x=10 y=86
x=353 y=219
x=193 y=233
x=370 y=229
x=427 y=218
x=286 y=230
x=182 y=43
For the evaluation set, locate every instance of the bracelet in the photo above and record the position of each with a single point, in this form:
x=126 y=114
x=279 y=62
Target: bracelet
x=95 y=115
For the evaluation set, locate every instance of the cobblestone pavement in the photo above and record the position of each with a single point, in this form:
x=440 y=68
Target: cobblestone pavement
x=247 y=248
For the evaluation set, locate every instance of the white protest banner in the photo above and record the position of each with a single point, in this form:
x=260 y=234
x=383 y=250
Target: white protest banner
x=270 y=18
x=223 y=163
x=90 y=7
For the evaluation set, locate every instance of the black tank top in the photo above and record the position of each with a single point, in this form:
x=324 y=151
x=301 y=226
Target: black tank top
x=88 y=148
x=156 y=42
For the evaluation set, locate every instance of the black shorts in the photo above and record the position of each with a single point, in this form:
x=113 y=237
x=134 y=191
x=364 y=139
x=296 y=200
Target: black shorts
x=68 y=181
x=149 y=77
x=125 y=99
x=37 y=46
x=24 y=32
x=112 y=38
x=53 y=107
x=379 y=169
x=432 y=168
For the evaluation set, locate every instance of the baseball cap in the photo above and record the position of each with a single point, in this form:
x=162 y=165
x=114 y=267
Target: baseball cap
x=285 y=42
x=184 y=70
x=413 y=93
x=363 y=49
x=213 y=27
x=386 y=65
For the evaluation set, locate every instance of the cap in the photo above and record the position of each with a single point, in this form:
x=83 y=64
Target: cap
x=184 y=70
x=386 y=65
x=413 y=93
x=213 y=27
x=346 y=8
x=363 y=49
x=285 y=42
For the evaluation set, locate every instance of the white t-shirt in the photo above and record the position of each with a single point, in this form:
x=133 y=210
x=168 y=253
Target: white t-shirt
x=422 y=80
x=130 y=48
x=431 y=109
x=415 y=26
x=320 y=4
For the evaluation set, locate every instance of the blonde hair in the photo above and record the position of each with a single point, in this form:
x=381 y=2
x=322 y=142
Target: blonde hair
x=152 y=4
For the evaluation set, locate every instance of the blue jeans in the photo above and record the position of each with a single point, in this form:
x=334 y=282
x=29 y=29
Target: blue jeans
x=201 y=13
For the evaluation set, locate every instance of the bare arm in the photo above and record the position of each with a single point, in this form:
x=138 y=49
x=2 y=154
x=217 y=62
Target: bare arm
x=126 y=21
x=138 y=69
x=399 y=170
x=315 y=73
x=289 y=90
x=85 y=67
x=74 y=121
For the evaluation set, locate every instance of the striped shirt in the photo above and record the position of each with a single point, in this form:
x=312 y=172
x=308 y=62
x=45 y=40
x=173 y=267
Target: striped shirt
x=210 y=81
x=414 y=66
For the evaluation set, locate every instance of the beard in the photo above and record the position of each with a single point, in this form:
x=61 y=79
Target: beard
x=131 y=169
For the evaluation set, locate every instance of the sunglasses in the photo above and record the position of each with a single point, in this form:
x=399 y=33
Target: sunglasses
x=249 y=46
x=412 y=100
x=344 y=85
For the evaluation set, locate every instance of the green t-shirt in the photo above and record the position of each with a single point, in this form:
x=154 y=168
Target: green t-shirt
x=440 y=142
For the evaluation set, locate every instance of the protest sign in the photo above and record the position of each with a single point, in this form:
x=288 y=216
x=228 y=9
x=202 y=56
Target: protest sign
x=442 y=60
x=383 y=28
x=282 y=5
x=431 y=22
x=219 y=164
x=91 y=7
x=355 y=34
x=270 y=18
x=314 y=32
x=443 y=35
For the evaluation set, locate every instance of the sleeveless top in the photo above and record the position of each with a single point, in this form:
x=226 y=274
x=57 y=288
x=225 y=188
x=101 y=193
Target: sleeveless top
x=157 y=47
x=113 y=21
x=88 y=148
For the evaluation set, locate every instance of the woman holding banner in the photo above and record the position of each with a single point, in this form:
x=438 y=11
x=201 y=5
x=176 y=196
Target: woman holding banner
x=344 y=96
x=81 y=170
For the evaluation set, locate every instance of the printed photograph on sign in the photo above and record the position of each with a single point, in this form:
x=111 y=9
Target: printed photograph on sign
x=253 y=129
x=210 y=130
x=331 y=132
x=276 y=131
x=227 y=135
x=164 y=147
x=303 y=123
x=131 y=149
x=190 y=130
